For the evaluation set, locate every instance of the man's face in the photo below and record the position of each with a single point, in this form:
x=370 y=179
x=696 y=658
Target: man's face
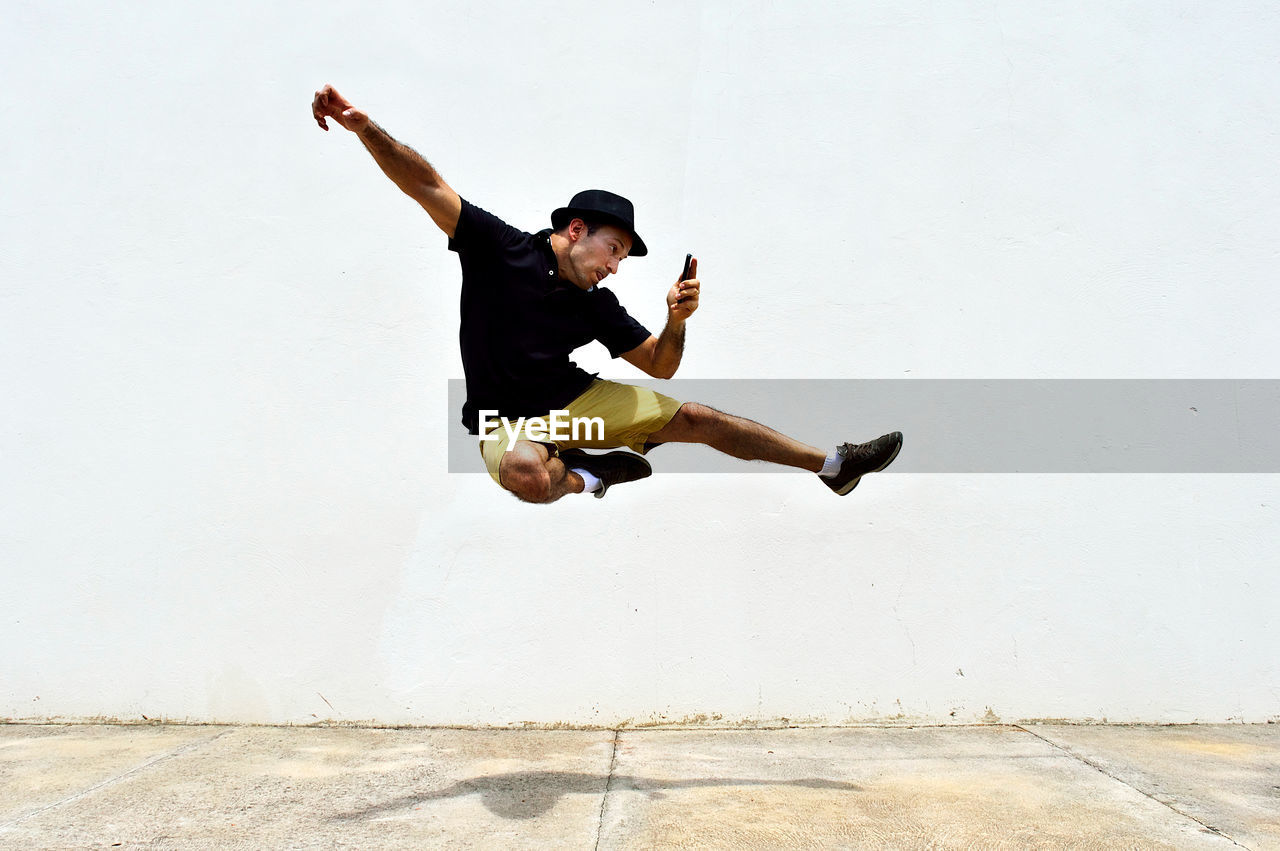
x=594 y=257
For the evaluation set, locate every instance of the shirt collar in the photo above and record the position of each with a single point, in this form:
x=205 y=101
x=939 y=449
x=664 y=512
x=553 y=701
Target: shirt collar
x=544 y=240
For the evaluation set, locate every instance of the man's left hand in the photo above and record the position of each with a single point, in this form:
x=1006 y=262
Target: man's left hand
x=682 y=298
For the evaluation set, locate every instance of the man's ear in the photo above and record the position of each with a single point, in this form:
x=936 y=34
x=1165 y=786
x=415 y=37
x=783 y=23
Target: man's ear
x=577 y=230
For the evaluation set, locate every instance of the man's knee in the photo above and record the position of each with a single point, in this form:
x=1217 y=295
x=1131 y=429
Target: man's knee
x=692 y=423
x=695 y=419
x=528 y=480
x=525 y=474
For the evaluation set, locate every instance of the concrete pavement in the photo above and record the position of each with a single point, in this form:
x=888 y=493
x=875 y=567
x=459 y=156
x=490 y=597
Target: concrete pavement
x=895 y=787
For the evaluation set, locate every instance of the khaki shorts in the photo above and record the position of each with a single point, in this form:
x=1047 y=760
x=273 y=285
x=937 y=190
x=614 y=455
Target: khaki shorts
x=630 y=415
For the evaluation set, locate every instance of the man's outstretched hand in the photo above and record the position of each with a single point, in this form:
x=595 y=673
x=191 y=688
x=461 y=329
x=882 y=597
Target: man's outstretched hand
x=329 y=104
x=682 y=298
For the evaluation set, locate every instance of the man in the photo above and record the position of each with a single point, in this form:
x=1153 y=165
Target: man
x=529 y=300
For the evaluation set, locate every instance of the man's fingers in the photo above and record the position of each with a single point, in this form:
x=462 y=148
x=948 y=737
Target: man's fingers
x=329 y=104
x=317 y=109
x=334 y=103
x=327 y=99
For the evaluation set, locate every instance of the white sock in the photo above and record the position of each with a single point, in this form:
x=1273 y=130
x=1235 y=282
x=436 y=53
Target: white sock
x=590 y=484
x=831 y=466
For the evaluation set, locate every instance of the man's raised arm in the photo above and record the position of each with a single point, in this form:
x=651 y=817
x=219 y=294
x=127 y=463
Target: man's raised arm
x=405 y=166
x=660 y=356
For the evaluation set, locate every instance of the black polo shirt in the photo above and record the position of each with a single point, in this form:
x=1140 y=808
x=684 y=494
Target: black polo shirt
x=520 y=321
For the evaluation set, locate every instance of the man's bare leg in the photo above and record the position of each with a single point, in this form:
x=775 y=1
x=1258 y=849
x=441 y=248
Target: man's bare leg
x=532 y=474
x=737 y=436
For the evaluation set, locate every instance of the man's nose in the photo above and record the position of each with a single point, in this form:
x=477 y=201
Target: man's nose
x=613 y=266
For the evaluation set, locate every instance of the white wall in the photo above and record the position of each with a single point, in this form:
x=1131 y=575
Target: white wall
x=225 y=341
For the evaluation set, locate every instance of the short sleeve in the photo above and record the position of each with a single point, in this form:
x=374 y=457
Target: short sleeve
x=480 y=230
x=614 y=327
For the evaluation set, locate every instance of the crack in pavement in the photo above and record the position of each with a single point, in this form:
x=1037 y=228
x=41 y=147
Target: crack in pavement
x=112 y=781
x=608 y=785
x=1097 y=767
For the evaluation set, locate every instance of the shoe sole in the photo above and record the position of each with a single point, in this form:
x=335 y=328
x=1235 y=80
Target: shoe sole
x=854 y=483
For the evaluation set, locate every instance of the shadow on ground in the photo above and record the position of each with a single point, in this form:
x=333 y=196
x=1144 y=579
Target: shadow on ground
x=526 y=795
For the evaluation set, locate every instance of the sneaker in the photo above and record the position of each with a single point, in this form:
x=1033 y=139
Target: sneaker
x=862 y=458
x=611 y=468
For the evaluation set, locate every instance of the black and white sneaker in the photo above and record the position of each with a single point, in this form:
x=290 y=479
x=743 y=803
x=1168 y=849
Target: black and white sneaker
x=611 y=468
x=858 y=459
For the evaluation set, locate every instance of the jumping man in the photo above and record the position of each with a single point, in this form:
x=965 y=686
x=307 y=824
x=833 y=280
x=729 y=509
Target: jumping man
x=530 y=299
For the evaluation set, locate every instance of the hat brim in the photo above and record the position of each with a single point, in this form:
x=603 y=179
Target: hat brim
x=564 y=215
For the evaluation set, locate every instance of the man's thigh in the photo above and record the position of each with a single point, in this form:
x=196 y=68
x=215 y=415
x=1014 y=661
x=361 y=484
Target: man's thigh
x=609 y=415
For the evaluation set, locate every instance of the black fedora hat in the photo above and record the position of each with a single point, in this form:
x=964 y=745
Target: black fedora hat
x=599 y=205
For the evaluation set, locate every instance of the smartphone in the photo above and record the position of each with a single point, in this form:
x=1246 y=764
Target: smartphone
x=684 y=276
